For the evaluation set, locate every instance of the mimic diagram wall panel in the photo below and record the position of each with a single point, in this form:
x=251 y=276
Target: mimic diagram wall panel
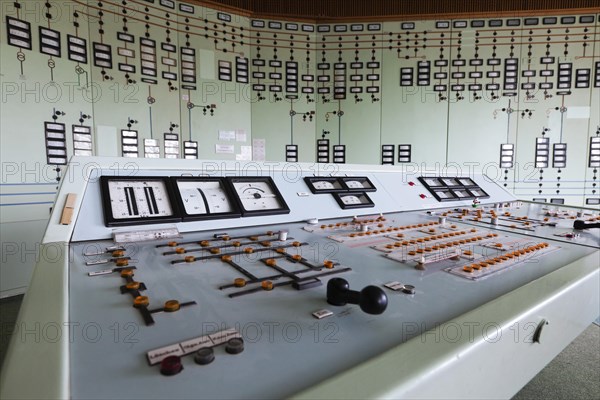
x=368 y=84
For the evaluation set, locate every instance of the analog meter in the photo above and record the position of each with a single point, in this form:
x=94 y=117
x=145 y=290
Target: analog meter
x=324 y=184
x=353 y=200
x=205 y=198
x=361 y=183
x=258 y=196
x=137 y=200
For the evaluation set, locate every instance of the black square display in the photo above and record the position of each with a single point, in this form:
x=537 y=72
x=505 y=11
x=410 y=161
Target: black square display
x=353 y=200
x=201 y=198
x=324 y=184
x=137 y=200
x=361 y=183
x=258 y=196
x=453 y=188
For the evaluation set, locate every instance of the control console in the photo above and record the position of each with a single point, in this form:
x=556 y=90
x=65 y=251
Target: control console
x=187 y=279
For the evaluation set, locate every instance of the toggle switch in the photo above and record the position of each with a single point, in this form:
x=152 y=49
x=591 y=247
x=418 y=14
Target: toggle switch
x=580 y=225
x=371 y=299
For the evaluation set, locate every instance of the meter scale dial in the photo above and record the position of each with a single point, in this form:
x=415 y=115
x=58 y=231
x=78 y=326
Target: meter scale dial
x=324 y=184
x=359 y=183
x=258 y=196
x=139 y=200
x=353 y=200
x=205 y=198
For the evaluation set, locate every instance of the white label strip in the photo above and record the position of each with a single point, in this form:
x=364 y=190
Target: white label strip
x=156 y=356
x=223 y=336
x=189 y=346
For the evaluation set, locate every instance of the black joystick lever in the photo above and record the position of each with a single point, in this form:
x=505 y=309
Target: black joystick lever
x=580 y=225
x=371 y=299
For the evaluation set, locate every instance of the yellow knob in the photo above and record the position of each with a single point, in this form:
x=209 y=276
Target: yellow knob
x=141 y=301
x=171 y=305
x=239 y=282
x=127 y=272
x=271 y=262
x=122 y=262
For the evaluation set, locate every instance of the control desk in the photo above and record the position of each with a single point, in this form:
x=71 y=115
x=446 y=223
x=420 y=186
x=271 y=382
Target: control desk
x=204 y=279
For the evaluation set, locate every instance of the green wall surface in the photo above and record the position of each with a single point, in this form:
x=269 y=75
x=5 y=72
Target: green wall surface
x=454 y=131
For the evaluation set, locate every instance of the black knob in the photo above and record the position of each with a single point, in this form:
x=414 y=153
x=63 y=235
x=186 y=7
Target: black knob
x=371 y=299
x=580 y=225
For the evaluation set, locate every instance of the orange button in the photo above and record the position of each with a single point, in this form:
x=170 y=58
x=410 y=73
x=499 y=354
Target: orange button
x=239 y=282
x=127 y=272
x=121 y=262
x=271 y=262
x=171 y=306
x=141 y=301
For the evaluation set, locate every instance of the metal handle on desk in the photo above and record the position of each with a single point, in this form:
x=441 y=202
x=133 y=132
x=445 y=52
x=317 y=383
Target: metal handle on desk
x=538 y=331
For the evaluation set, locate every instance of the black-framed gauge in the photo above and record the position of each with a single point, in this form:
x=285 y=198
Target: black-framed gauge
x=201 y=198
x=478 y=193
x=444 y=195
x=461 y=193
x=138 y=200
x=450 y=182
x=258 y=196
x=349 y=200
x=431 y=182
x=453 y=188
x=466 y=182
x=324 y=184
x=358 y=183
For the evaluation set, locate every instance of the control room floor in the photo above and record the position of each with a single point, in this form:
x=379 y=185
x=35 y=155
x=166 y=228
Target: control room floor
x=574 y=374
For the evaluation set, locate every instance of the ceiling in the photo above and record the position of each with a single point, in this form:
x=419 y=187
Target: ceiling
x=323 y=10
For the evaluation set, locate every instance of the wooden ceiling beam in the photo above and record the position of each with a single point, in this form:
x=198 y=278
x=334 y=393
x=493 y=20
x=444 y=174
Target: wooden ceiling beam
x=339 y=11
